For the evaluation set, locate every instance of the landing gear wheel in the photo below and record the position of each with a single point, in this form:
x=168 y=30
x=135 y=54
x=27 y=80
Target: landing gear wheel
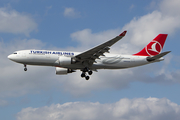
x=90 y=72
x=83 y=75
x=87 y=77
x=25 y=69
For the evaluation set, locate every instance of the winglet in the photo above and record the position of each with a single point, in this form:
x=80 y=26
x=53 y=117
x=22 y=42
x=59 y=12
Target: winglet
x=123 y=33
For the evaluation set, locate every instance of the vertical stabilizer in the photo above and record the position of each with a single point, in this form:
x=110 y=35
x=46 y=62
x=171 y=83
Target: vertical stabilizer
x=154 y=47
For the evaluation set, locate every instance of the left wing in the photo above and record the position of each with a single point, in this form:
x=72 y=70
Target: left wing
x=94 y=53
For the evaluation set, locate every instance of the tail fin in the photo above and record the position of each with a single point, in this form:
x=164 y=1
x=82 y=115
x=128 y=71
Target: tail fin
x=154 y=47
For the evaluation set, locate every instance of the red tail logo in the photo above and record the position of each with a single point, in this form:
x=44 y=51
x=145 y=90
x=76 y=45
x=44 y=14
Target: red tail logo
x=154 y=47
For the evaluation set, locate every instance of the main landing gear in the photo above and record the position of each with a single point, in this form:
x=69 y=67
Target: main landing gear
x=84 y=73
x=25 y=68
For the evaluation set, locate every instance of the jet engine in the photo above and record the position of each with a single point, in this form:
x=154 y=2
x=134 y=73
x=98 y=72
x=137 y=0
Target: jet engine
x=63 y=71
x=65 y=60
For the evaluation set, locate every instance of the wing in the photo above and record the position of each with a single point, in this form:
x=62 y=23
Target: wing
x=89 y=56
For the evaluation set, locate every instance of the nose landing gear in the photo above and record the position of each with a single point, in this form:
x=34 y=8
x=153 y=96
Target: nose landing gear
x=25 y=68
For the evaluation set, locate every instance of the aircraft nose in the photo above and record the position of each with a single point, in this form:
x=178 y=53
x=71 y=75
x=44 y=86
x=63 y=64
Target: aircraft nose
x=10 y=57
x=14 y=58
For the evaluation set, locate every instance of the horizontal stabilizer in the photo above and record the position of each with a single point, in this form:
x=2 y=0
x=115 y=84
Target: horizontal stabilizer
x=157 y=56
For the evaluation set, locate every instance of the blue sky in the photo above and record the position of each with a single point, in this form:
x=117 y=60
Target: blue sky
x=146 y=92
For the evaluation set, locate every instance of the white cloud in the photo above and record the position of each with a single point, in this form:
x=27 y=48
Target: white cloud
x=142 y=29
x=124 y=109
x=14 y=22
x=71 y=13
x=170 y=7
x=165 y=19
x=103 y=79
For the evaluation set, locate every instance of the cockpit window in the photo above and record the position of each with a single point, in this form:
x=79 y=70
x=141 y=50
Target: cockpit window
x=15 y=52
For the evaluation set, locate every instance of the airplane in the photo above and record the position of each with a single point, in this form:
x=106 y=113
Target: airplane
x=66 y=62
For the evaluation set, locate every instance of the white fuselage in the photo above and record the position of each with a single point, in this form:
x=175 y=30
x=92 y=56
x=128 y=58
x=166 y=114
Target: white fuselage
x=51 y=58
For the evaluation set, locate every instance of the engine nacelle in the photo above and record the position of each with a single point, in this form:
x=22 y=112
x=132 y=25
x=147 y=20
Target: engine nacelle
x=63 y=71
x=65 y=60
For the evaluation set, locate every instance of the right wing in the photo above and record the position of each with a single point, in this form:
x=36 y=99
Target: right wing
x=89 y=56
